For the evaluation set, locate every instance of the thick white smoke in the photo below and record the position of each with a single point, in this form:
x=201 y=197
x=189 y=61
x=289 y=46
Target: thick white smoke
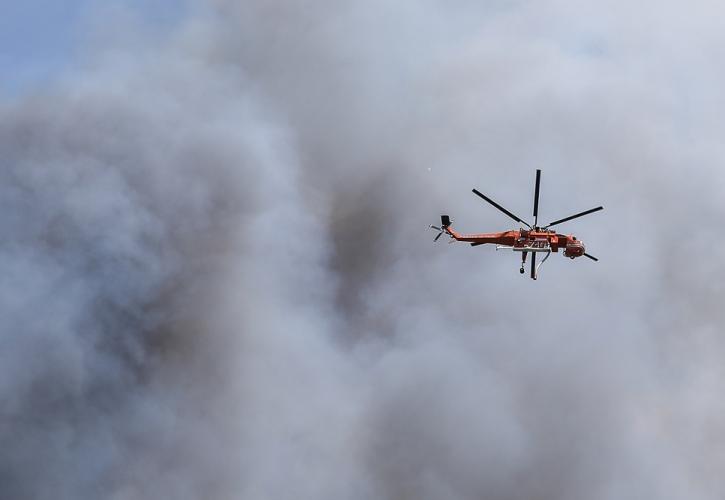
x=216 y=280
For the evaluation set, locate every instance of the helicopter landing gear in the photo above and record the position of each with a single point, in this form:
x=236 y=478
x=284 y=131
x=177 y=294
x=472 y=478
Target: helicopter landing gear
x=535 y=270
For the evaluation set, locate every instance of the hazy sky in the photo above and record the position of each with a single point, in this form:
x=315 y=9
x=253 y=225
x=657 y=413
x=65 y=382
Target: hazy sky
x=40 y=38
x=217 y=280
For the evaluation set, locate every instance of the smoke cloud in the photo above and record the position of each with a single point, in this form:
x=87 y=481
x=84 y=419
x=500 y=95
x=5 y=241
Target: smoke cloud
x=217 y=280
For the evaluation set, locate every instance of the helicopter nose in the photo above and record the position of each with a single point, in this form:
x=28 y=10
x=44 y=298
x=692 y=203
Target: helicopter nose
x=576 y=249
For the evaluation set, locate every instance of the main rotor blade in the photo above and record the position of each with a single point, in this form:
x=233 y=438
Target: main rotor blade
x=591 y=257
x=533 y=265
x=536 y=198
x=517 y=219
x=586 y=212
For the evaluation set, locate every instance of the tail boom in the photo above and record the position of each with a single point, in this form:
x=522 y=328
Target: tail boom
x=506 y=238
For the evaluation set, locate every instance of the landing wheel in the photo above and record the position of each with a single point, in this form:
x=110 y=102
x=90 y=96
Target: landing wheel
x=521 y=270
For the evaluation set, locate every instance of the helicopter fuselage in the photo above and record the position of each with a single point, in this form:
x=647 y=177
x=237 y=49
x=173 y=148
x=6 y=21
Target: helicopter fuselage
x=525 y=240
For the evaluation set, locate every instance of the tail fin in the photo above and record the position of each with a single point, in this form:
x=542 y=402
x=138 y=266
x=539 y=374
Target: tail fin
x=446 y=226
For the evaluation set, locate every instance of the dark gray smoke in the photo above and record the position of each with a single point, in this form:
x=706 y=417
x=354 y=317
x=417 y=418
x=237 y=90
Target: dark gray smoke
x=216 y=282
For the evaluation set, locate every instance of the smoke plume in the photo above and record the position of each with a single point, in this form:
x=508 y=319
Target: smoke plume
x=216 y=279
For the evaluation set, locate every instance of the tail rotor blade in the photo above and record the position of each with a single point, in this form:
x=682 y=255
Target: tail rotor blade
x=436 y=228
x=489 y=200
x=591 y=257
x=439 y=235
x=536 y=197
x=580 y=214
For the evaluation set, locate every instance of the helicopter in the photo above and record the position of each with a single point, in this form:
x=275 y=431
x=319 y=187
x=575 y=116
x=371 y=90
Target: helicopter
x=532 y=239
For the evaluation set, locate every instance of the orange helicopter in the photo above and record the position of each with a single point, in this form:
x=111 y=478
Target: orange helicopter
x=533 y=240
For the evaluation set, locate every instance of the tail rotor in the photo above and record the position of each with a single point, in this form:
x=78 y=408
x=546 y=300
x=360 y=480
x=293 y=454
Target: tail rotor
x=440 y=232
x=445 y=222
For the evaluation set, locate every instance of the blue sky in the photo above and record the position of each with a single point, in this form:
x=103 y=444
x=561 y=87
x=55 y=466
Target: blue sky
x=38 y=38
